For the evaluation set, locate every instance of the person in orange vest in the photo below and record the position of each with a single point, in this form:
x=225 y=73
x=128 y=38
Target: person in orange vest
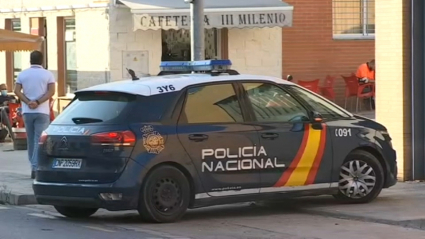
x=365 y=74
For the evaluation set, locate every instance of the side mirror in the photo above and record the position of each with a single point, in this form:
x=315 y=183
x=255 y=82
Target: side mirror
x=317 y=117
x=317 y=121
x=289 y=78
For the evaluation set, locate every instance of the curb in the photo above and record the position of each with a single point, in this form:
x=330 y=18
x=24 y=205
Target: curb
x=10 y=198
x=413 y=224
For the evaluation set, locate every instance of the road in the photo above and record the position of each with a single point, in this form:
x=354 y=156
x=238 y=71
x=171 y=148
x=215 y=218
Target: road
x=283 y=221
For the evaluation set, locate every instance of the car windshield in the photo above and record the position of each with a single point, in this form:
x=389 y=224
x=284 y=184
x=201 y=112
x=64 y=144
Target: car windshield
x=327 y=109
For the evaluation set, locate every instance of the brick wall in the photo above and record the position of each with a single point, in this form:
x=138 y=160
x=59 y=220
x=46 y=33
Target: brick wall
x=309 y=51
x=256 y=51
x=393 y=78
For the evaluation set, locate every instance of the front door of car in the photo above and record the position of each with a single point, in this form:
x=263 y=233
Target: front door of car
x=296 y=152
x=211 y=128
x=343 y=131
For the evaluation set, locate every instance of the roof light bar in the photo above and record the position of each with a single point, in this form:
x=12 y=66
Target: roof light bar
x=188 y=66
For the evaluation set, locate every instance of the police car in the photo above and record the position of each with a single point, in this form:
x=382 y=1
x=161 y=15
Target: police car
x=200 y=134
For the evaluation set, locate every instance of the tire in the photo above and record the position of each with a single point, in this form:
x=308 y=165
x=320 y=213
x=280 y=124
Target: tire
x=174 y=201
x=76 y=212
x=369 y=181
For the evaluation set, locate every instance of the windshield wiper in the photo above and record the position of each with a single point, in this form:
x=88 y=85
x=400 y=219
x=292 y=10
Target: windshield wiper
x=83 y=120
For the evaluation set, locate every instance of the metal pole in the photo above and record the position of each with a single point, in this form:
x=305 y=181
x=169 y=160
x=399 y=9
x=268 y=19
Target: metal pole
x=197 y=39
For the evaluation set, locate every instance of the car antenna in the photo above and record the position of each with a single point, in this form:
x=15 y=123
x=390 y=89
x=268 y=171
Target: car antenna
x=132 y=74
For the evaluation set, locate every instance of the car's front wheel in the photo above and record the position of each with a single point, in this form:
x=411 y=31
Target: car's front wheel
x=76 y=212
x=361 y=178
x=165 y=195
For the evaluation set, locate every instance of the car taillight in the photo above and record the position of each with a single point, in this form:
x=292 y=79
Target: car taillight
x=118 y=138
x=42 y=138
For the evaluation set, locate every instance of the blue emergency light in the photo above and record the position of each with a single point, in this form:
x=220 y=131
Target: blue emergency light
x=189 y=66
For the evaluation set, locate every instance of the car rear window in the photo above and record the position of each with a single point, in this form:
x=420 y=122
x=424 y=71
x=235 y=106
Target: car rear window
x=96 y=107
x=114 y=108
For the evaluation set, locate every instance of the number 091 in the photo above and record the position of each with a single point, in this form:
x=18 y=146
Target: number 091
x=342 y=132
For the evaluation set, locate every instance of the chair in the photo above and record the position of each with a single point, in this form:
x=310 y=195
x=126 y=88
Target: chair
x=328 y=88
x=311 y=85
x=353 y=88
x=15 y=115
x=52 y=113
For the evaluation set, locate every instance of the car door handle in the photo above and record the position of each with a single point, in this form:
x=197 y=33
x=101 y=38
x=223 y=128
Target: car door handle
x=269 y=135
x=198 y=137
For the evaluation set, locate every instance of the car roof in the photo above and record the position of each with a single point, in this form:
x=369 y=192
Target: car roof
x=151 y=85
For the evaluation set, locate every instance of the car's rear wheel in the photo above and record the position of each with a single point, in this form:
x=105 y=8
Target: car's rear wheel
x=76 y=212
x=165 y=195
x=361 y=178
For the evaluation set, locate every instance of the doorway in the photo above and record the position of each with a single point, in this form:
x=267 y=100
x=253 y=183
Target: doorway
x=39 y=28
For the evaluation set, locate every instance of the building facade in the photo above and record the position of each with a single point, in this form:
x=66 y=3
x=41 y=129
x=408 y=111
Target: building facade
x=68 y=42
x=329 y=37
x=93 y=42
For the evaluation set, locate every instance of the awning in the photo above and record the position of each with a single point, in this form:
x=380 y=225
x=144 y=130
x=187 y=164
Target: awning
x=17 y=41
x=175 y=14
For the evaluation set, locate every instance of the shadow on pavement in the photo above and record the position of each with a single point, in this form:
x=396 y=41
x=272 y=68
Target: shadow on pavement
x=257 y=209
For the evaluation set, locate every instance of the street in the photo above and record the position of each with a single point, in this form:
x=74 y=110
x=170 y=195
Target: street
x=397 y=213
x=286 y=220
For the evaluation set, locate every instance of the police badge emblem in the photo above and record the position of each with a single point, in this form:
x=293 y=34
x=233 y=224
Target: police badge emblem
x=152 y=140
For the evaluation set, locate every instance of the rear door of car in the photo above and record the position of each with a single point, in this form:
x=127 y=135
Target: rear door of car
x=222 y=146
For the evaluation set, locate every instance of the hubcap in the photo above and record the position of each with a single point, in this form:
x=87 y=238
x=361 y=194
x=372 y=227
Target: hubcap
x=356 y=179
x=166 y=195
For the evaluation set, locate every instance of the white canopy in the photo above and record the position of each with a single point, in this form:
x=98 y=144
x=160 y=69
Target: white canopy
x=175 y=14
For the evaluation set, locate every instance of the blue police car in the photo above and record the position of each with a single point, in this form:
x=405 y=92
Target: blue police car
x=200 y=134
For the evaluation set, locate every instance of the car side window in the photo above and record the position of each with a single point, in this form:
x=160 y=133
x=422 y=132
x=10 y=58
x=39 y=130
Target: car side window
x=326 y=109
x=211 y=104
x=272 y=104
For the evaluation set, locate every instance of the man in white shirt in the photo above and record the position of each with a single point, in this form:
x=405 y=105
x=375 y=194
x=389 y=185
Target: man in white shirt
x=34 y=87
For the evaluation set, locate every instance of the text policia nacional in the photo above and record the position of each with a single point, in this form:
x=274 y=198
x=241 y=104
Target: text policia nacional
x=246 y=158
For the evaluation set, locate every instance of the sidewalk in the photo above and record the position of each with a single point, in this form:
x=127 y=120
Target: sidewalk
x=401 y=205
x=15 y=177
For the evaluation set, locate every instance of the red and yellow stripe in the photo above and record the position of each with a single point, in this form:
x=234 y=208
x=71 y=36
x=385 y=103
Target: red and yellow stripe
x=304 y=167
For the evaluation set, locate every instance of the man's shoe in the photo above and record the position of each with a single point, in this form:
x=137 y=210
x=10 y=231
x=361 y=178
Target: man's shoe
x=32 y=174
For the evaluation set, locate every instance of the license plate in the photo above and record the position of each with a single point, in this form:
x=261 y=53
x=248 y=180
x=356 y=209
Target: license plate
x=67 y=163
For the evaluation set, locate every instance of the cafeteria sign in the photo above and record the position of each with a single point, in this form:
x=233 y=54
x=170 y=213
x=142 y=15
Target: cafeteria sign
x=214 y=20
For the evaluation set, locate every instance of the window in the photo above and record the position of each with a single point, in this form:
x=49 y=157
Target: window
x=115 y=107
x=17 y=56
x=212 y=104
x=70 y=56
x=353 y=19
x=176 y=45
x=92 y=107
x=272 y=104
x=326 y=109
